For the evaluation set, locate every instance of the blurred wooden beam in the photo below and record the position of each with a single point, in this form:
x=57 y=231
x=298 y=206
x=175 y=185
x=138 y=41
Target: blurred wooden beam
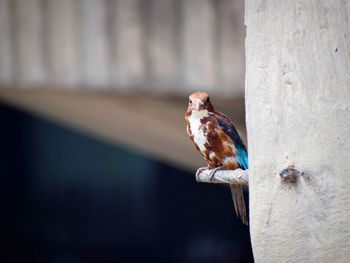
x=157 y=46
x=152 y=125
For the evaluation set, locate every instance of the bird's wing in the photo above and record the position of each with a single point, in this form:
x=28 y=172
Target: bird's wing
x=227 y=126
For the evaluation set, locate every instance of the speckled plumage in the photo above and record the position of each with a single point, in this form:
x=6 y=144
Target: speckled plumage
x=218 y=141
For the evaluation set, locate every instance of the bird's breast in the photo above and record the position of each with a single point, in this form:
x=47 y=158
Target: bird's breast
x=198 y=128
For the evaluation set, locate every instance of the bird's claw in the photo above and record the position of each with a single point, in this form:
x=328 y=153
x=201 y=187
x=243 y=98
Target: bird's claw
x=199 y=170
x=213 y=171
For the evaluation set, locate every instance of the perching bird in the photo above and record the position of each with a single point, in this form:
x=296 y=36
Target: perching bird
x=215 y=137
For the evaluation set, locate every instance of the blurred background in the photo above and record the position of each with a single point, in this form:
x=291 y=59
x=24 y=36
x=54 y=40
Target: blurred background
x=95 y=162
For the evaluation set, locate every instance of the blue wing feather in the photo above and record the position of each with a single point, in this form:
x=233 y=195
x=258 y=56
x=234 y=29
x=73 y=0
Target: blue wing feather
x=230 y=130
x=242 y=157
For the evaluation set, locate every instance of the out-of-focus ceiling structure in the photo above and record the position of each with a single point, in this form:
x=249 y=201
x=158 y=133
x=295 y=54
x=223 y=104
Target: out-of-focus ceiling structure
x=153 y=125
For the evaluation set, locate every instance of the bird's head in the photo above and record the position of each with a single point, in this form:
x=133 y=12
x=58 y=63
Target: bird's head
x=199 y=101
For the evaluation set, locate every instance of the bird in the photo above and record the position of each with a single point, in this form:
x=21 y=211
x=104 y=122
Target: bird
x=218 y=141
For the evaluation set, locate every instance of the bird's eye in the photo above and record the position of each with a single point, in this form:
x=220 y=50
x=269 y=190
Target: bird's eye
x=190 y=101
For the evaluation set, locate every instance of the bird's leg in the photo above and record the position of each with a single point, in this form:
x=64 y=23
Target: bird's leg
x=199 y=170
x=213 y=171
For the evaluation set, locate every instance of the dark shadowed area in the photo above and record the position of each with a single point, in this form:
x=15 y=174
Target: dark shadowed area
x=69 y=197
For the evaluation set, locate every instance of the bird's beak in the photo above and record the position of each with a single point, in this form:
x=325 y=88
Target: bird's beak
x=197 y=104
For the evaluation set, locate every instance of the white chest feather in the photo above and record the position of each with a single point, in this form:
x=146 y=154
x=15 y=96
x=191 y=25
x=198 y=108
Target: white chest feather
x=197 y=130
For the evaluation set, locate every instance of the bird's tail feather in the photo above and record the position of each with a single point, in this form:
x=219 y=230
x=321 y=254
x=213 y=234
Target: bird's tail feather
x=238 y=201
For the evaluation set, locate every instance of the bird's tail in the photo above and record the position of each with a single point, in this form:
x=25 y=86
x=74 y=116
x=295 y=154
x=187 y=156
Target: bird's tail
x=238 y=201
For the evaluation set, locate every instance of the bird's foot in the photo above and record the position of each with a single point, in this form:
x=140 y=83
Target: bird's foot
x=213 y=171
x=199 y=170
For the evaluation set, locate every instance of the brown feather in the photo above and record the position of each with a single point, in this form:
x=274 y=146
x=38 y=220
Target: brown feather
x=238 y=202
